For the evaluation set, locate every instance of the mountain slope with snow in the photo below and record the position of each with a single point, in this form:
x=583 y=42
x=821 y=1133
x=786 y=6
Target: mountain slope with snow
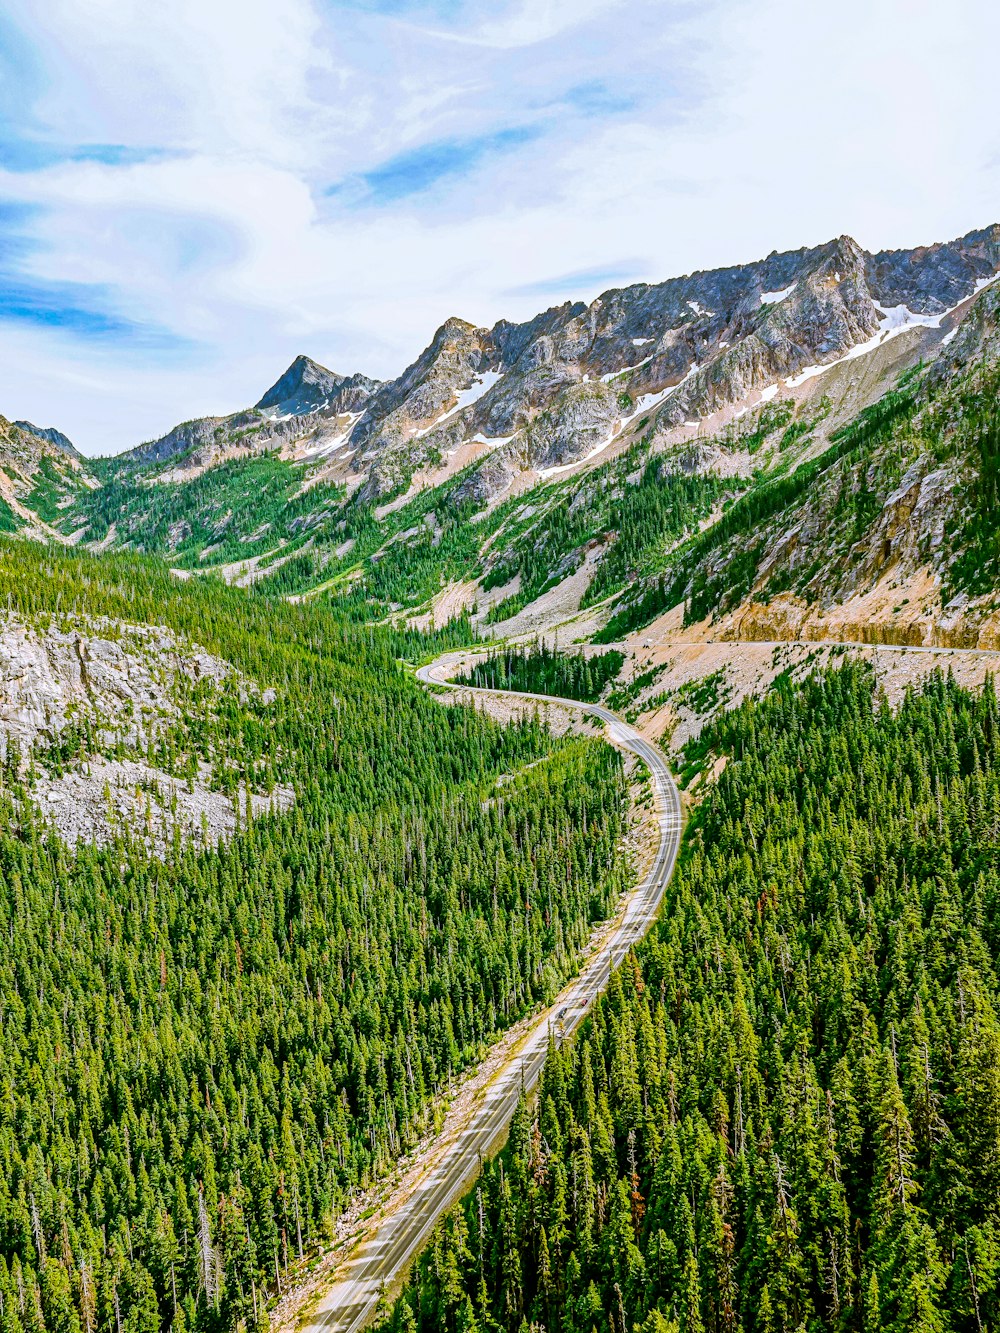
x=586 y=462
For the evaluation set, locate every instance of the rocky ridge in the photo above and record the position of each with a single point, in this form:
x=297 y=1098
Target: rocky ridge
x=122 y=687
x=649 y=358
x=890 y=538
x=53 y=436
x=579 y=379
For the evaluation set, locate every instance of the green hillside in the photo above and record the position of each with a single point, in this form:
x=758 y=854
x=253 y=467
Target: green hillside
x=785 y=1112
x=201 y=1056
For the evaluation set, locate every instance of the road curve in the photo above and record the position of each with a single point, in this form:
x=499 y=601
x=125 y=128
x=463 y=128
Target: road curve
x=384 y=1255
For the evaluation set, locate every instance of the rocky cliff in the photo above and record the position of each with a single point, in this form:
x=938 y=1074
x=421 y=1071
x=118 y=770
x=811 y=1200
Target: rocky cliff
x=84 y=708
x=648 y=358
x=580 y=379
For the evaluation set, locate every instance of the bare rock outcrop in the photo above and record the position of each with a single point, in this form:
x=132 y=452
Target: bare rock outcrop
x=116 y=690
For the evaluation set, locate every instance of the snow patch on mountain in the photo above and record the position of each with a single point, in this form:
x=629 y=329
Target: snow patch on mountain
x=625 y=370
x=464 y=398
x=492 y=441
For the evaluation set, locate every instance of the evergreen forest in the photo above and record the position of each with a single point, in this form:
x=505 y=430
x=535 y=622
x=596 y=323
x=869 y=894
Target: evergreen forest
x=543 y=670
x=784 y=1114
x=204 y=1056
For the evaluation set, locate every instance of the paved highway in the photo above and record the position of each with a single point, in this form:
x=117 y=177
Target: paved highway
x=382 y=1257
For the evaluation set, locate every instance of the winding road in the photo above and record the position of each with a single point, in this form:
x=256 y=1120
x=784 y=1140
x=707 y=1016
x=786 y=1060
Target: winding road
x=382 y=1257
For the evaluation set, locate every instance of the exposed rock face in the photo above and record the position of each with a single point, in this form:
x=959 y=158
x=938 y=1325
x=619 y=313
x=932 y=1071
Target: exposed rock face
x=53 y=436
x=121 y=677
x=112 y=795
x=933 y=278
x=588 y=413
x=410 y=418
x=657 y=354
x=127 y=683
x=308 y=399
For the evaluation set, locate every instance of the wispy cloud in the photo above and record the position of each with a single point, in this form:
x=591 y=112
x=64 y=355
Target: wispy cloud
x=86 y=310
x=77 y=309
x=169 y=236
x=422 y=168
x=582 y=281
x=440 y=10
x=527 y=23
x=25 y=154
x=596 y=97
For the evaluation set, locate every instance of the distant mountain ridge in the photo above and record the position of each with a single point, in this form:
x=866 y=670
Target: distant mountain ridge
x=53 y=436
x=701 y=447
x=41 y=475
x=525 y=398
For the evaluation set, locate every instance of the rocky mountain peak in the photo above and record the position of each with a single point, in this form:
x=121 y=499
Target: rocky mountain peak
x=446 y=377
x=304 y=398
x=53 y=436
x=307 y=386
x=453 y=330
x=302 y=374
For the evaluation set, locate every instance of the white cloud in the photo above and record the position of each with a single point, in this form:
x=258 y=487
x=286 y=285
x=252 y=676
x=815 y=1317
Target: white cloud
x=754 y=126
x=210 y=75
x=527 y=23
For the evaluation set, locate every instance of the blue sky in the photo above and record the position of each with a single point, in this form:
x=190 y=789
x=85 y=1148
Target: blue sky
x=191 y=194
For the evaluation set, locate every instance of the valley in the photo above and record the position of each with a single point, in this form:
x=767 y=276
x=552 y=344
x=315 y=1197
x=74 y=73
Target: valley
x=381 y=1258
x=296 y=933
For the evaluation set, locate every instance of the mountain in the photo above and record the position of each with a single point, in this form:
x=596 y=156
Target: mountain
x=41 y=479
x=308 y=387
x=889 y=534
x=308 y=406
x=668 y=455
x=571 y=382
x=580 y=381
x=50 y=433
